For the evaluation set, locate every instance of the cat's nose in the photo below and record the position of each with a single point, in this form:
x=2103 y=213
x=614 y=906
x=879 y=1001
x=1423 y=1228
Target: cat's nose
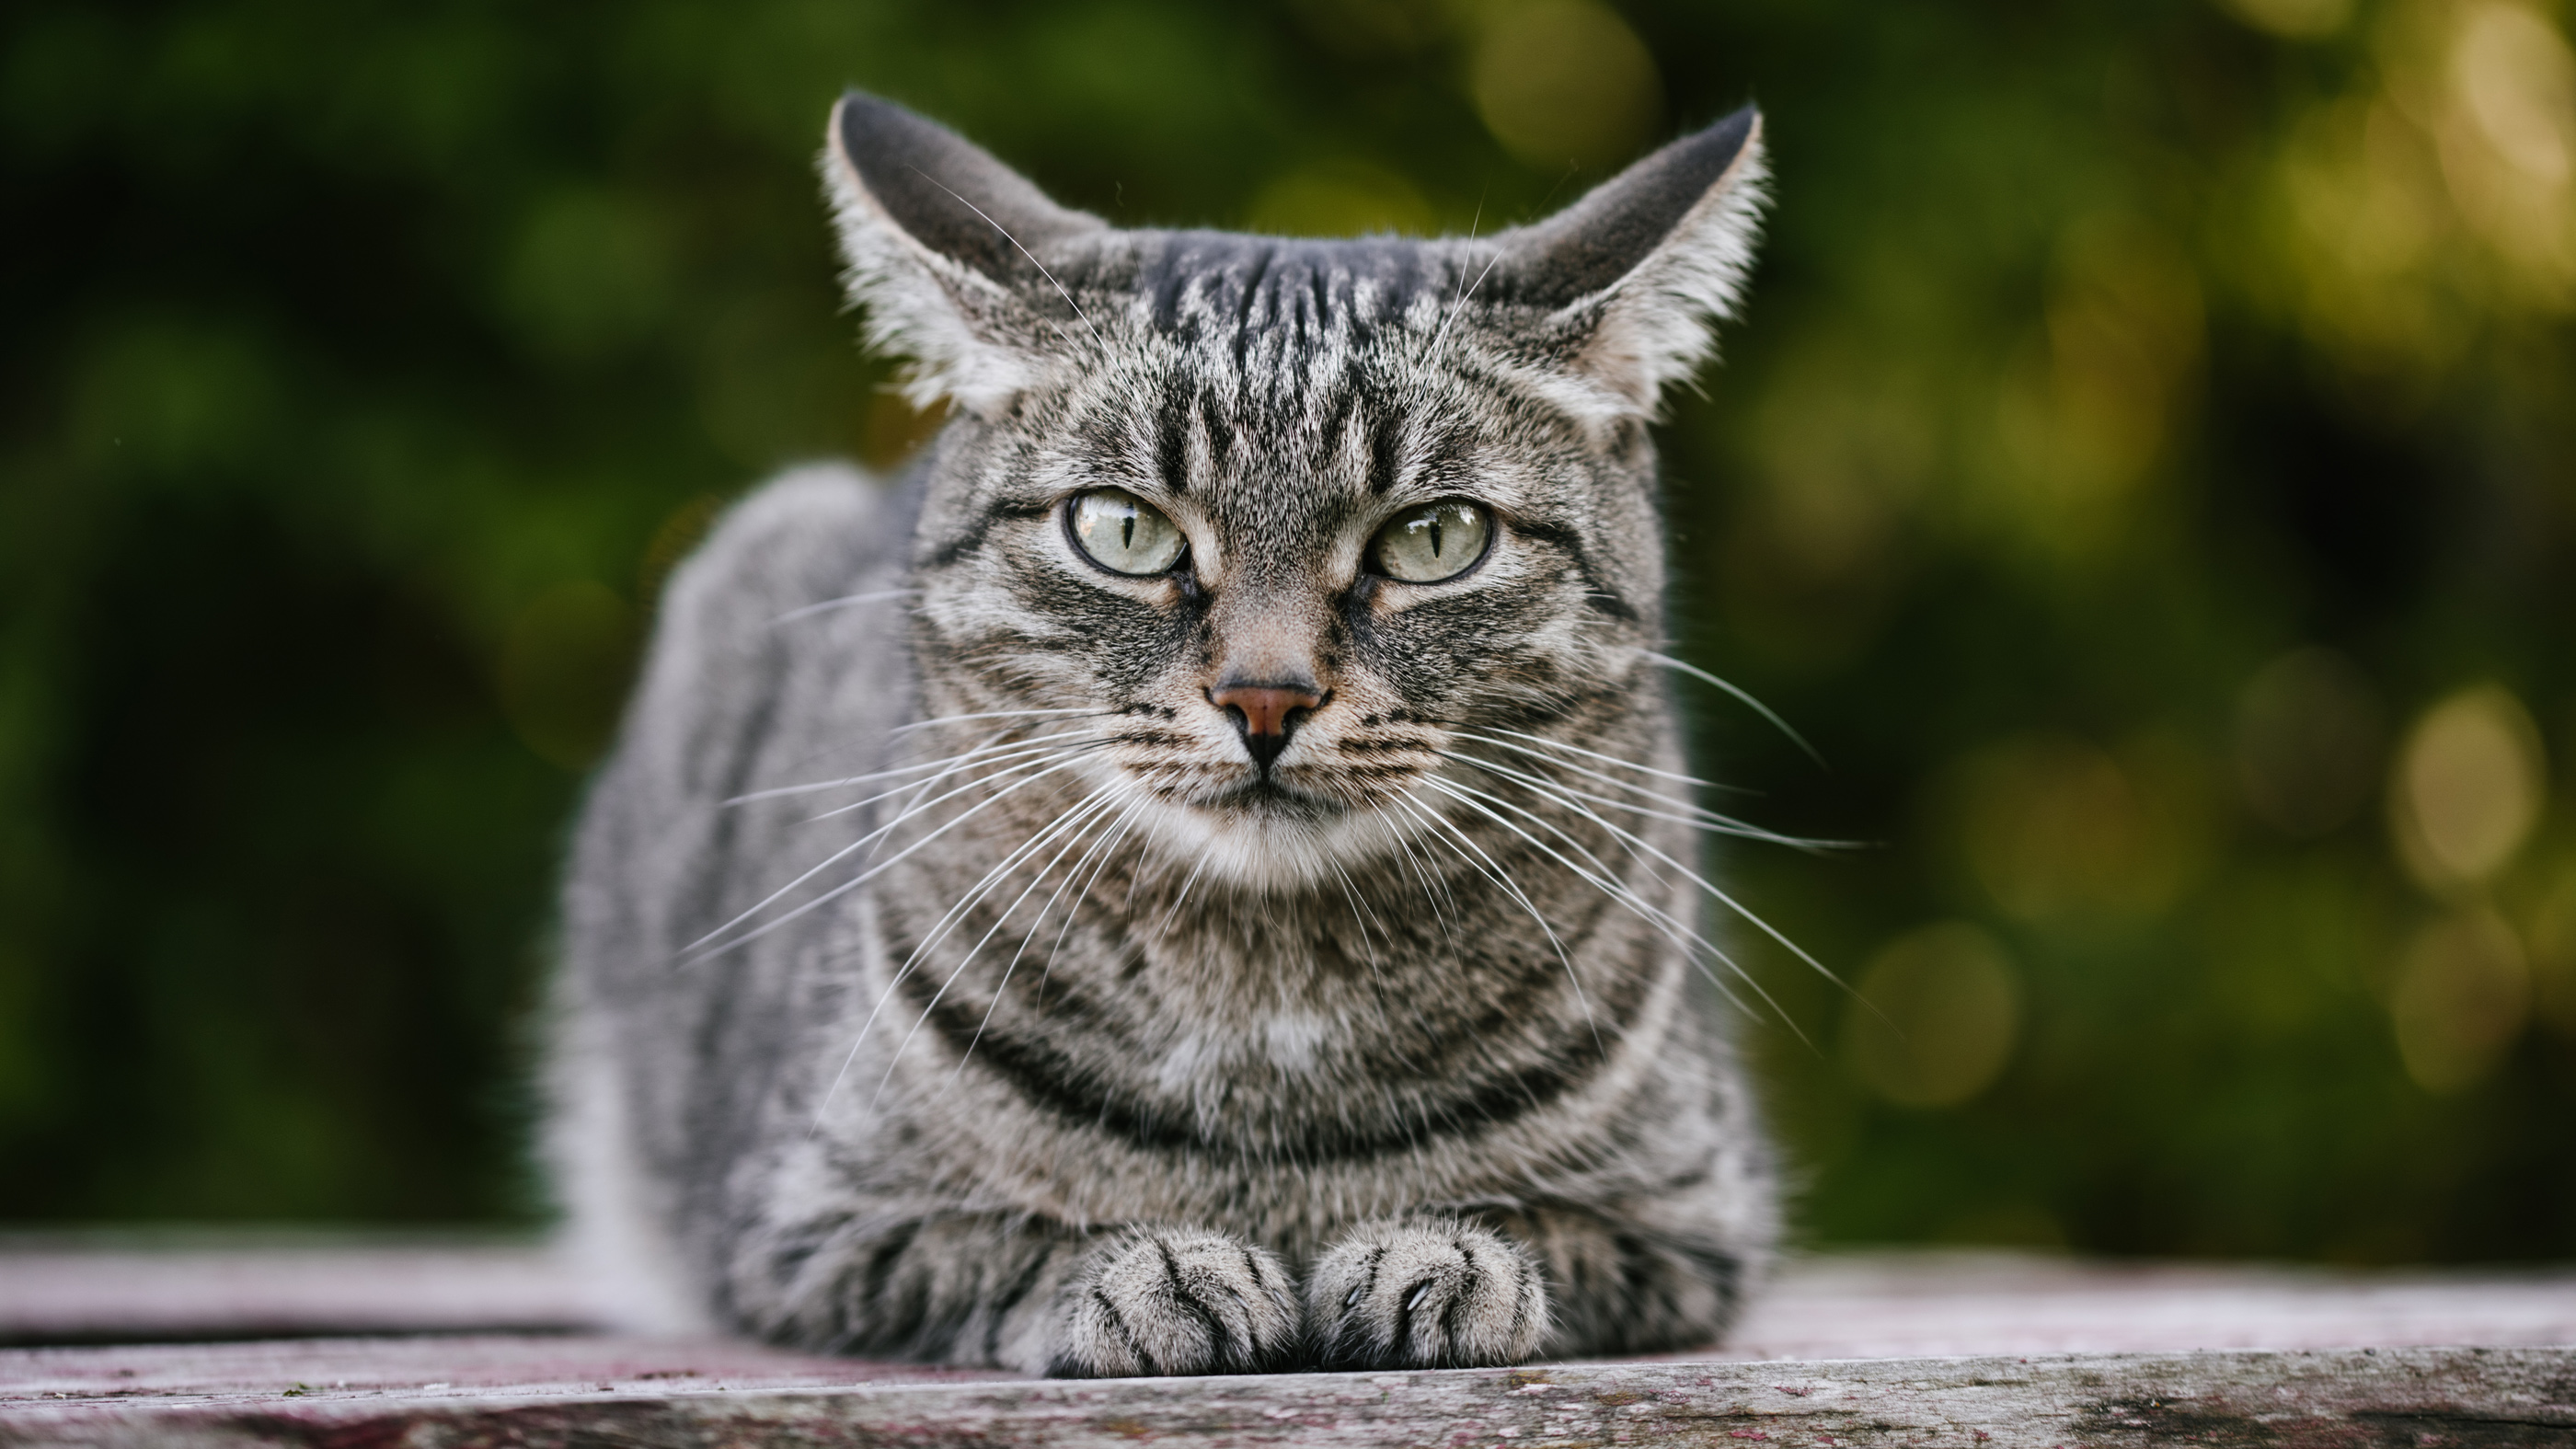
x=1267 y=714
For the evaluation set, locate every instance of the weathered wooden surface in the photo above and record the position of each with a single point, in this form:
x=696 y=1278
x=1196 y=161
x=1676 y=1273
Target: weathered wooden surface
x=92 y=1289
x=2410 y=1397
x=1842 y=1350
x=145 y=1287
x=1918 y=1304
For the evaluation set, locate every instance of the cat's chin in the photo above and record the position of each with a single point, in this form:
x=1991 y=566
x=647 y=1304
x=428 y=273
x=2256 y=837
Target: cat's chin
x=1268 y=839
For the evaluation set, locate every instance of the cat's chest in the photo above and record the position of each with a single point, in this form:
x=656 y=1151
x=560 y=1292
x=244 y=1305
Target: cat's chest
x=1225 y=1045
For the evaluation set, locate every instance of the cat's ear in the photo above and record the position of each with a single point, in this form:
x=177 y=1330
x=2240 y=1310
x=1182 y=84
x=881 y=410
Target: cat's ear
x=942 y=244
x=1638 y=273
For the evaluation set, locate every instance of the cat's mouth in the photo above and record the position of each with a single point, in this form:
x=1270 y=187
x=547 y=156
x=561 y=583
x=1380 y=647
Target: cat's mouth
x=1272 y=795
x=1274 y=829
x=1320 y=793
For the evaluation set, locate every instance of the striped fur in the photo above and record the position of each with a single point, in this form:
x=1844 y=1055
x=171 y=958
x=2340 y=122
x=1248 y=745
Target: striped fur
x=945 y=979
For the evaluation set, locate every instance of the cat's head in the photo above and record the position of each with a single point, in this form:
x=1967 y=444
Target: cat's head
x=1257 y=533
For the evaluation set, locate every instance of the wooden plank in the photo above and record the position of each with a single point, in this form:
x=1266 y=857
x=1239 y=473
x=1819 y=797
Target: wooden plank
x=130 y=1287
x=2475 y=1398
x=2055 y=1351
x=119 y=1289
x=1931 y=1304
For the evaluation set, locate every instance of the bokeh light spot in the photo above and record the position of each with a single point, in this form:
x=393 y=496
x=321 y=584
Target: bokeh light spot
x=1561 y=81
x=2505 y=130
x=2462 y=994
x=1939 y=1009
x=2513 y=71
x=2468 y=788
x=2055 y=827
x=2309 y=738
x=2088 y=402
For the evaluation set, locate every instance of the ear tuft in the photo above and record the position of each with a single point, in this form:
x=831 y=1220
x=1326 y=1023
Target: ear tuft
x=942 y=244
x=1642 y=269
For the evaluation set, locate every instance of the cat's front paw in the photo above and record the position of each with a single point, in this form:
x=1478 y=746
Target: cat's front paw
x=1424 y=1294
x=1177 y=1301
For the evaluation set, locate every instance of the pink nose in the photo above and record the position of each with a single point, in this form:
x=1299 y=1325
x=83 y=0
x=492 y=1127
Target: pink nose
x=1266 y=714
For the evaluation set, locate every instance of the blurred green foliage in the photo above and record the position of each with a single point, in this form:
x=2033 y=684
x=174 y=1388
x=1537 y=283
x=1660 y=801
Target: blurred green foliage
x=2147 y=470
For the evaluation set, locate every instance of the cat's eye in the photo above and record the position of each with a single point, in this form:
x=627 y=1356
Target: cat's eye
x=1433 y=542
x=1122 y=532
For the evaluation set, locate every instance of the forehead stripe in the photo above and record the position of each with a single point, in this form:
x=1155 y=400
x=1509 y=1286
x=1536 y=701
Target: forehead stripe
x=1172 y=441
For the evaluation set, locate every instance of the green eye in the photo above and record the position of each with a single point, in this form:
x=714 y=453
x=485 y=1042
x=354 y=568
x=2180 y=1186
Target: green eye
x=1433 y=542
x=1122 y=532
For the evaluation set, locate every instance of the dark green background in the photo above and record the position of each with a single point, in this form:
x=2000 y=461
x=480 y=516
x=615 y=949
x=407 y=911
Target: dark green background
x=365 y=366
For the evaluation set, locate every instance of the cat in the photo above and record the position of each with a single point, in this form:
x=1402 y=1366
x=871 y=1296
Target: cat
x=1192 y=877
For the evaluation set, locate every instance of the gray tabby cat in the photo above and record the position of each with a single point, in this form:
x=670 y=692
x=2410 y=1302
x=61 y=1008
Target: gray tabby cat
x=1192 y=878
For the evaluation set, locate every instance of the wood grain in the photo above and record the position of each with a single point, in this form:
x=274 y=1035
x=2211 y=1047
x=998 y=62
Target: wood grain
x=1843 y=1350
x=2416 y=1397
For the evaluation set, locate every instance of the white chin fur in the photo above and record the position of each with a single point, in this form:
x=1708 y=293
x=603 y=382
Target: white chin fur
x=1269 y=851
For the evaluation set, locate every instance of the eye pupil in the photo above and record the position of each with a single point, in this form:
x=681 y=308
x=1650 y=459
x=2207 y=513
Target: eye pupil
x=1122 y=532
x=1415 y=547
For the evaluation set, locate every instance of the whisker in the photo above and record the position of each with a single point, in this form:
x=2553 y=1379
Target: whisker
x=1007 y=746
x=1032 y=750
x=1602 y=877
x=1361 y=915
x=1117 y=833
x=923 y=724
x=974 y=758
x=992 y=743
x=1698 y=818
x=1010 y=861
x=879 y=833
x=1662 y=919
x=1679 y=812
x=1636 y=843
x=1605 y=759
x=1034 y=926
x=1175 y=909
x=1757 y=706
x=1405 y=839
x=1377 y=973
x=1024 y=251
x=1715 y=822
x=846 y=601
x=1435 y=889
x=1502 y=878
x=1071 y=822
x=694 y=952
x=858 y=1040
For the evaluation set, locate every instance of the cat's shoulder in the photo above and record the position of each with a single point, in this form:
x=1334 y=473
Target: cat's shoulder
x=798 y=541
x=786 y=621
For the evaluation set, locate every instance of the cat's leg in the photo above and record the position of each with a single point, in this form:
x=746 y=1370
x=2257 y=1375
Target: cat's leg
x=1424 y=1293
x=1621 y=1285
x=1016 y=1292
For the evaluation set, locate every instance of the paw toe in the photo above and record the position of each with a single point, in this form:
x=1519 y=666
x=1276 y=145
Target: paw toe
x=1426 y=1295
x=1177 y=1302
